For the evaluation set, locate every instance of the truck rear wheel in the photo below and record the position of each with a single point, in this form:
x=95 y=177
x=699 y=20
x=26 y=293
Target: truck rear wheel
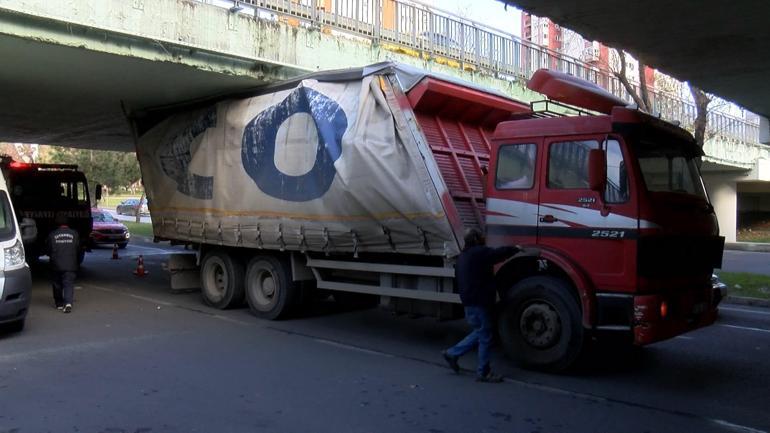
x=221 y=280
x=540 y=324
x=270 y=291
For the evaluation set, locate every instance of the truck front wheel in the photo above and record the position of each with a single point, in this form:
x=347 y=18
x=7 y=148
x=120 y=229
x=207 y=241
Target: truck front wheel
x=540 y=324
x=270 y=291
x=221 y=280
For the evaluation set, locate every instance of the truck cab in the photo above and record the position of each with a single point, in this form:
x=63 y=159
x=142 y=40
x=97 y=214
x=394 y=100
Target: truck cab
x=41 y=192
x=616 y=204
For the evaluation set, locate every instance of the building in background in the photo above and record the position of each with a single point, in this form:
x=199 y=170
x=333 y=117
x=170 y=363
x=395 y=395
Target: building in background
x=541 y=31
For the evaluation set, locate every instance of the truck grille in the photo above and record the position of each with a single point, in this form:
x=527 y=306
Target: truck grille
x=662 y=256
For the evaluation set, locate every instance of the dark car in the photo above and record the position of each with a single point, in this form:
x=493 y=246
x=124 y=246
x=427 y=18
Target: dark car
x=108 y=230
x=128 y=207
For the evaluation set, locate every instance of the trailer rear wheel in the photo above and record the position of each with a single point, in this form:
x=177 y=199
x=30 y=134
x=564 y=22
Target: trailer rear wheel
x=221 y=280
x=270 y=291
x=540 y=324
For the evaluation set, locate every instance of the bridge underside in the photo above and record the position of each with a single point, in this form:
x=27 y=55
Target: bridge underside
x=78 y=98
x=721 y=47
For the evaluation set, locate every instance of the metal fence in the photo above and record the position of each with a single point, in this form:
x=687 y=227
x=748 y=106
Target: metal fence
x=474 y=45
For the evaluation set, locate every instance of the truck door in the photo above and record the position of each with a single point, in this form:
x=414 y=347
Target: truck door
x=513 y=188
x=596 y=230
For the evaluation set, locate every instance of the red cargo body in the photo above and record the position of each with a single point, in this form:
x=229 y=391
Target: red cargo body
x=458 y=124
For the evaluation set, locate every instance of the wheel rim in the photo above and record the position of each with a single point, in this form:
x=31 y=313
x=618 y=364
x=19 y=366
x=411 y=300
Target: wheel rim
x=263 y=288
x=216 y=280
x=540 y=325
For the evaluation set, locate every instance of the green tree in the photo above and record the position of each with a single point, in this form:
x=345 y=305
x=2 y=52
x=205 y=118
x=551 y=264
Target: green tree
x=112 y=169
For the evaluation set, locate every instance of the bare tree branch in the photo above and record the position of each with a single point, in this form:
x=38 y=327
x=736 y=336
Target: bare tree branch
x=645 y=94
x=621 y=76
x=702 y=101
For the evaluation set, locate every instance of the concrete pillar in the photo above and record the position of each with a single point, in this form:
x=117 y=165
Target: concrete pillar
x=723 y=192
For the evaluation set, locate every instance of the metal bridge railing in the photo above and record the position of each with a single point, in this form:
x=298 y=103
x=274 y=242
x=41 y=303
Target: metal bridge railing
x=474 y=45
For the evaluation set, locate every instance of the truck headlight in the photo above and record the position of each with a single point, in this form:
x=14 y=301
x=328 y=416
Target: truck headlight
x=14 y=256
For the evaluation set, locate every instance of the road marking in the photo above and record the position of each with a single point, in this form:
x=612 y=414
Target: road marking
x=353 y=348
x=684 y=337
x=744 y=310
x=737 y=427
x=152 y=249
x=170 y=305
x=746 y=328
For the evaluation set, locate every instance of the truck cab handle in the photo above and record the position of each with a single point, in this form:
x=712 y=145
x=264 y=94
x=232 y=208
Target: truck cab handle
x=548 y=219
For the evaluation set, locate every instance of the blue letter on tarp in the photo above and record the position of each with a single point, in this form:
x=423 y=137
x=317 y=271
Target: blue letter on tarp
x=259 y=137
x=175 y=158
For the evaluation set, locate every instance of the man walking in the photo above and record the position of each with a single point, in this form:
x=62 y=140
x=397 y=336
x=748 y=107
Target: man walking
x=63 y=244
x=475 y=279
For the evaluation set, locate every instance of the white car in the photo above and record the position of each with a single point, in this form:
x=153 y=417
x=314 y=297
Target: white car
x=15 y=280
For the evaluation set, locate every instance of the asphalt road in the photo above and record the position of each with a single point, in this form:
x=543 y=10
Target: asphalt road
x=134 y=358
x=746 y=261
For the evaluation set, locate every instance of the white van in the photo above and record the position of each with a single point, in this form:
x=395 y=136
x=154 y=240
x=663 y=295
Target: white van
x=15 y=280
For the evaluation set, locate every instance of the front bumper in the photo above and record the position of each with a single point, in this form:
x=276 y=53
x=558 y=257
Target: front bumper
x=659 y=317
x=102 y=238
x=16 y=294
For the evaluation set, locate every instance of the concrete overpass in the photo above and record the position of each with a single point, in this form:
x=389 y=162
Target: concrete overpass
x=719 y=47
x=78 y=67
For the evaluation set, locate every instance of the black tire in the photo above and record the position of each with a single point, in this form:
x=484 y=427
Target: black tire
x=270 y=291
x=540 y=324
x=123 y=245
x=221 y=280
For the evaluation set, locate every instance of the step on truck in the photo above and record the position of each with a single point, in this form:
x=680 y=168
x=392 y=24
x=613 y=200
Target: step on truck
x=363 y=181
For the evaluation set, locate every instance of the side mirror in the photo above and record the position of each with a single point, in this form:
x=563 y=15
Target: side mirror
x=597 y=170
x=98 y=191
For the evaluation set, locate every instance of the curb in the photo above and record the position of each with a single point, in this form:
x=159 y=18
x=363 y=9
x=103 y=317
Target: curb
x=748 y=246
x=743 y=300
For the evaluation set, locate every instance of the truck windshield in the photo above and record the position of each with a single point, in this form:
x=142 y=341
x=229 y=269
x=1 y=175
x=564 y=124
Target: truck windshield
x=669 y=169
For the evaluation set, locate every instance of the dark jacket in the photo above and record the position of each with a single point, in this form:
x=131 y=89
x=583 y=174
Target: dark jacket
x=475 y=274
x=63 y=247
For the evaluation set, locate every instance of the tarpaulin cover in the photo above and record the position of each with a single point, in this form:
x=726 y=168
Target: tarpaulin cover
x=319 y=166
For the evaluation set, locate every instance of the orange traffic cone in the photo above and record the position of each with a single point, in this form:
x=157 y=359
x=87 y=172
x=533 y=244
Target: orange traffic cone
x=115 y=252
x=139 y=271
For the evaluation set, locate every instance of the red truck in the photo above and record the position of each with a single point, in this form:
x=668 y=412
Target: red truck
x=363 y=181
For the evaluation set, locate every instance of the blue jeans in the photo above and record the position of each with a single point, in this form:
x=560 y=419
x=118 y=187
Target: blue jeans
x=63 y=287
x=481 y=336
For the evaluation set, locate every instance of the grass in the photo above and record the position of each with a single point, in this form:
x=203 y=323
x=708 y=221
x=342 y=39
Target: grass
x=139 y=229
x=757 y=235
x=115 y=200
x=745 y=284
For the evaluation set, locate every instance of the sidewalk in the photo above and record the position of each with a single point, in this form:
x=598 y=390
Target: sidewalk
x=748 y=246
x=742 y=300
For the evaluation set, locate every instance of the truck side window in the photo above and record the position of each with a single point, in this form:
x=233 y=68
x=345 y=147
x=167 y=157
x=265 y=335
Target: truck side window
x=568 y=164
x=516 y=166
x=616 y=190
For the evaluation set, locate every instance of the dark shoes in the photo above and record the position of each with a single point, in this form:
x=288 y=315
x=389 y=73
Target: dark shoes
x=490 y=378
x=452 y=361
x=68 y=308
